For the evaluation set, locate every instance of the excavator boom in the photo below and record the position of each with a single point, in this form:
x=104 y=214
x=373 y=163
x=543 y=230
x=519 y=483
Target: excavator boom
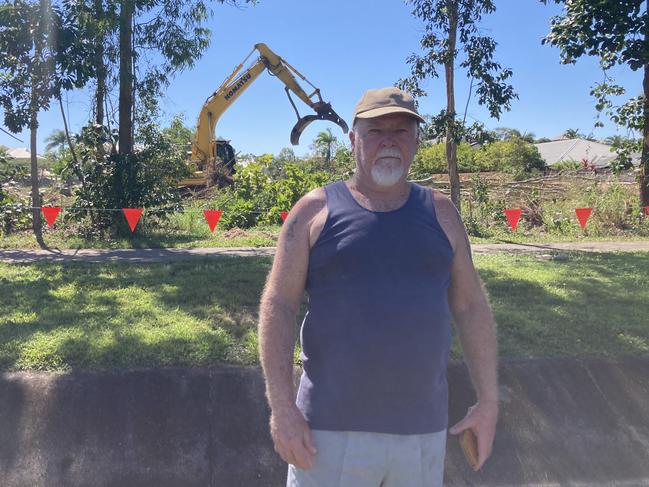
x=204 y=146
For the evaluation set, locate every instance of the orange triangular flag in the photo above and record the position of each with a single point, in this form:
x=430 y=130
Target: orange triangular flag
x=284 y=214
x=513 y=215
x=51 y=212
x=582 y=215
x=212 y=217
x=132 y=216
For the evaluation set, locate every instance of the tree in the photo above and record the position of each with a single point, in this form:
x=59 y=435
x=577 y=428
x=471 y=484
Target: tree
x=325 y=144
x=515 y=156
x=449 y=23
x=616 y=32
x=178 y=133
x=55 y=141
x=41 y=55
x=506 y=133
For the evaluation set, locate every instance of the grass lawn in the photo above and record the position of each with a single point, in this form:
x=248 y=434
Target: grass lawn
x=265 y=236
x=204 y=312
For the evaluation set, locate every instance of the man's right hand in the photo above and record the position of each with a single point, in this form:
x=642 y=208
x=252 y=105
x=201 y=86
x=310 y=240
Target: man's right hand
x=292 y=437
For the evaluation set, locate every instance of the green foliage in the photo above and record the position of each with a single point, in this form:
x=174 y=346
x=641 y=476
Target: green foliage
x=506 y=133
x=567 y=165
x=325 y=144
x=41 y=55
x=460 y=18
x=484 y=210
x=256 y=198
x=12 y=213
x=514 y=156
x=616 y=33
x=343 y=163
x=432 y=160
x=145 y=179
x=613 y=206
x=178 y=134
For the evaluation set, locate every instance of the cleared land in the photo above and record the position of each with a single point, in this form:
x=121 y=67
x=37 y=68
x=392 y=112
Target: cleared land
x=59 y=316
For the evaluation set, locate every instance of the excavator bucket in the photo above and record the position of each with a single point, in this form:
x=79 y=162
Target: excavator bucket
x=324 y=113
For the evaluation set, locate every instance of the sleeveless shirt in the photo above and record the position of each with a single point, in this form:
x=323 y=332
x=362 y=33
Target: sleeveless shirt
x=376 y=336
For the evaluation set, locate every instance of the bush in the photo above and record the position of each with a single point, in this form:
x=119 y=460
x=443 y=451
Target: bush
x=567 y=165
x=432 y=160
x=147 y=178
x=257 y=198
x=514 y=156
x=613 y=206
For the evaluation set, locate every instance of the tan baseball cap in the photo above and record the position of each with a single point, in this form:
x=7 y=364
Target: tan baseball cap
x=381 y=101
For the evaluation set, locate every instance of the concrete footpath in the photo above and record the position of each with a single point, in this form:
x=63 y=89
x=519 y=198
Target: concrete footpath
x=171 y=254
x=567 y=422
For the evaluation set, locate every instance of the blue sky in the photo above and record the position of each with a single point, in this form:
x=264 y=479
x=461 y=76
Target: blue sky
x=346 y=47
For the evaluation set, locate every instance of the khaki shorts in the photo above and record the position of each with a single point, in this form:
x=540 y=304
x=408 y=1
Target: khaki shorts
x=359 y=459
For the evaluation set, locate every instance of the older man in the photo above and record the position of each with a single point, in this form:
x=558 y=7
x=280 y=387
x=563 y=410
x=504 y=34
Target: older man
x=385 y=263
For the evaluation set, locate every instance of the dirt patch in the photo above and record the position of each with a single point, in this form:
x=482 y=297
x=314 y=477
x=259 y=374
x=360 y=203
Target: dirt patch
x=234 y=233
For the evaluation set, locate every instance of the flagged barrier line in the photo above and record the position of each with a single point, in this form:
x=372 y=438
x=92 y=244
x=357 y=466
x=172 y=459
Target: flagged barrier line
x=212 y=216
x=133 y=215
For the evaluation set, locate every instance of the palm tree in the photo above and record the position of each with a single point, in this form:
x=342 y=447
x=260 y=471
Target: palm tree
x=56 y=141
x=573 y=134
x=324 y=143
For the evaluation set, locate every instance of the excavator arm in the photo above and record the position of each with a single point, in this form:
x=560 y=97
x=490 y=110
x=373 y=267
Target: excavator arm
x=204 y=145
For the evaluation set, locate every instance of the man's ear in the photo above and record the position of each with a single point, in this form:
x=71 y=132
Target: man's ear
x=352 y=136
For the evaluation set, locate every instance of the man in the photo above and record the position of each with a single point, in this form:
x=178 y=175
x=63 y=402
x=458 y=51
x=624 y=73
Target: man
x=385 y=263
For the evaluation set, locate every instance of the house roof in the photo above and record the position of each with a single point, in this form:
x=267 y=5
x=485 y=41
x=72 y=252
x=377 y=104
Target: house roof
x=21 y=153
x=598 y=154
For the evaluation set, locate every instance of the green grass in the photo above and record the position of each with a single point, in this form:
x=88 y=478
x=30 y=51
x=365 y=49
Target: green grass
x=194 y=232
x=590 y=304
x=204 y=312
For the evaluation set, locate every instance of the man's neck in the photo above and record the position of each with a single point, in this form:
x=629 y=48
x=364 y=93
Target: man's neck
x=379 y=193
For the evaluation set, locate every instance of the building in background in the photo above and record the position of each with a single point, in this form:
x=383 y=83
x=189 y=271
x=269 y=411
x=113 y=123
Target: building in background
x=591 y=154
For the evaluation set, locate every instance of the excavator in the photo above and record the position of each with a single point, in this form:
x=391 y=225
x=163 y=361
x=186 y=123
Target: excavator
x=212 y=159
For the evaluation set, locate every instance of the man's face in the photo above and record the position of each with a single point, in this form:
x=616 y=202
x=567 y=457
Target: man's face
x=384 y=148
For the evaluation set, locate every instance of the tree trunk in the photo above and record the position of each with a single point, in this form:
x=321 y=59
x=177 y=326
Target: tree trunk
x=126 y=77
x=644 y=162
x=451 y=146
x=100 y=95
x=36 y=78
x=36 y=198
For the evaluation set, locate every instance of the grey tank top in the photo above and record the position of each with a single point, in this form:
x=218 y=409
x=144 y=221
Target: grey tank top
x=376 y=336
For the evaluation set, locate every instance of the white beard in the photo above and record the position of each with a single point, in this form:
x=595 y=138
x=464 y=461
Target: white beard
x=386 y=176
x=388 y=171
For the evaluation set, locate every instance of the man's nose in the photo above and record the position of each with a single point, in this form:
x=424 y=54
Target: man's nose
x=388 y=140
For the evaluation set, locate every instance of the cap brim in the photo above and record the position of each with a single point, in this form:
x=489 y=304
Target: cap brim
x=378 y=112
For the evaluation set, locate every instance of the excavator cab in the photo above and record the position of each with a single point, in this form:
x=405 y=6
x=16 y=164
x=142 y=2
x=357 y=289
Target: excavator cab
x=225 y=153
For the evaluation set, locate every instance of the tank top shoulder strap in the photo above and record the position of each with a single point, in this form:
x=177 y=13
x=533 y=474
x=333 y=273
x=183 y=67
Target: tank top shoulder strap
x=337 y=196
x=423 y=197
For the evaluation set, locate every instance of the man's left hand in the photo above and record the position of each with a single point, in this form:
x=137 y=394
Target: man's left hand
x=481 y=419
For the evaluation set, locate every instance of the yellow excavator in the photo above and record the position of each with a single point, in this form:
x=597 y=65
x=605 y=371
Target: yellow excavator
x=212 y=160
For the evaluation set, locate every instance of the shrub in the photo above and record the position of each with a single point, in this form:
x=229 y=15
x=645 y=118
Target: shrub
x=257 y=198
x=514 y=156
x=147 y=178
x=567 y=165
x=432 y=160
x=613 y=206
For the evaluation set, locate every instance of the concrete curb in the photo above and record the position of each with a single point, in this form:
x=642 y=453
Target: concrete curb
x=563 y=422
x=173 y=254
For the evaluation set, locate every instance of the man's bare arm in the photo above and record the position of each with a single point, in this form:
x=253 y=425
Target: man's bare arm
x=278 y=309
x=476 y=330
